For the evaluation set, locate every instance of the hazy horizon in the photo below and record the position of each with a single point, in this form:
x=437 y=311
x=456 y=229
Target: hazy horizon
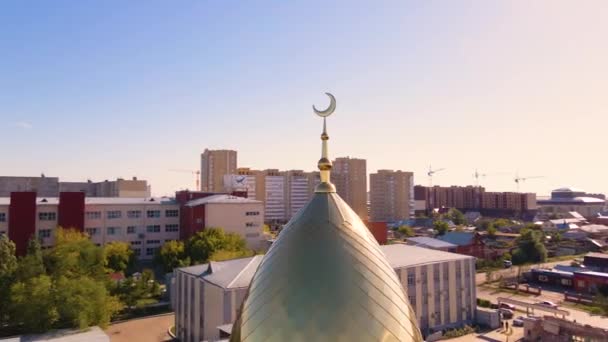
x=116 y=89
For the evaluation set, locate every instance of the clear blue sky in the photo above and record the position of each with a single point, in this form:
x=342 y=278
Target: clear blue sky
x=105 y=89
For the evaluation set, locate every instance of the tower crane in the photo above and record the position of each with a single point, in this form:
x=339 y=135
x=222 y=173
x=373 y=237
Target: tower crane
x=431 y=173
x=196 y=173
x=519 y=179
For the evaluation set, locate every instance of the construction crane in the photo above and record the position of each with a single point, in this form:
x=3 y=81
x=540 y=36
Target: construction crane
x=431 y=173
x=518 y=179
x=477 y=175
x=196 y=173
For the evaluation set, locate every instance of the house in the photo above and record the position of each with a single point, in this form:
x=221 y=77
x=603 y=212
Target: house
x=562 y=224
x=595 y=231
x=469 y=243
x=428 y=242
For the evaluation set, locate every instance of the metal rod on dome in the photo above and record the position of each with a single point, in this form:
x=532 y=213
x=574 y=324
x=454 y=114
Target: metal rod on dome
x=324 y=163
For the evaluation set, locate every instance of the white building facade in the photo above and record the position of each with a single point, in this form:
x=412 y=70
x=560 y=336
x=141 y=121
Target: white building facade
x=440 y=287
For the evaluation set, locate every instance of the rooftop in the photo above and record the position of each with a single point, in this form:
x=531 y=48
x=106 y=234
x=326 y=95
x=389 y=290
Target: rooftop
x=431 y=242
x=94 y=334
x=582 y=199
x=458 y=238
x=223 y=198
x=400 y=255
x=237 y=273
x=229 y=274
x=594 y=228
x=101 y=200
x=597 y=255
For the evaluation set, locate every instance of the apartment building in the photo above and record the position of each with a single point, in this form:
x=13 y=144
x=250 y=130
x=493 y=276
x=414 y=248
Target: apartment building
x=214 y=165
x=146 y=223
x=51 y=187
x=282 y=192
x=474 y=198
x=391 y=195
x=349 y=175
x=440 y=287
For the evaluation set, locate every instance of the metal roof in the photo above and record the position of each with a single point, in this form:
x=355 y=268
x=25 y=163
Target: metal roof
x=229 y=274
x=431 y=242
x=458 y=238
x=400 y=256
x=101 y=200
x=223 y=198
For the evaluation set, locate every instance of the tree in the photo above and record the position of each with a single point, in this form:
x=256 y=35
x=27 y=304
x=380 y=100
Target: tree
x=456 y=216
x=530 y=247
x=491 y=231
x=8 y=259
x=406 y=231
x=222 y=255
x=118 y=256
x=501 y=223
x=441 y=227
x=83 y=301
x=172 y=255
x=133 y=290
x=8 y=266
x=32 y=264
x=75 y=255
x=32 y=304
x=204 y=243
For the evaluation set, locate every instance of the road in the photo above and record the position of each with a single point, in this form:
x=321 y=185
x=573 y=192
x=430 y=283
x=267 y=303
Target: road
x=480 y=278
x=147 y=329
x=576 y=315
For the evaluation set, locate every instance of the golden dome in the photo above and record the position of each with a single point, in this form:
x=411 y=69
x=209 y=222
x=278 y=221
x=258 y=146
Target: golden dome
x=325 y=279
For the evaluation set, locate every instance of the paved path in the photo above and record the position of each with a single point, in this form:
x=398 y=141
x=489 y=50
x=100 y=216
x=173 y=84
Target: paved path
x=480 y=278
x=148 y=329
x=577 y=315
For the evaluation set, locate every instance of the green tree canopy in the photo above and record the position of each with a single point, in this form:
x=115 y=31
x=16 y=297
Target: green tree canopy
x=32 y=304
x=441 y=227
x=223 y=254
x=530 y=247
x=118 y=256
x=75 y=255
x=456 y=216
x=407 y=231
x=32 y=264
x=83 y=301
x=8 y=266
x=172 y=255
x=491 y=231
x=8 y=259
x=204 y=243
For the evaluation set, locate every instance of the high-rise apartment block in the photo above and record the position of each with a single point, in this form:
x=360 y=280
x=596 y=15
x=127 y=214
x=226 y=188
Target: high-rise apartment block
x=215 y=164
x=391 y=195
x=475 y=198
x=349 y=175
x=283 y=192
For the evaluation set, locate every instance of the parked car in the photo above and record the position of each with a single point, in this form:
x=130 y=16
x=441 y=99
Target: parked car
x=518 y=322
x=507 y=263
x=505 y=313
x=548 y=303
x=507 y=306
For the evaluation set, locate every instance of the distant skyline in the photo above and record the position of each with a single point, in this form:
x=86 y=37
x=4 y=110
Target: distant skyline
x=112 y=89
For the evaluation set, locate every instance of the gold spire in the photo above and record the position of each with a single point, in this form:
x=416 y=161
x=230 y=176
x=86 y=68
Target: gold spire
x=324 y=163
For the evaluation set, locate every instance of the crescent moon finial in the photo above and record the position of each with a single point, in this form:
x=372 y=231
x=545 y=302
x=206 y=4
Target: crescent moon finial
x=329 y=110
x=324 y=163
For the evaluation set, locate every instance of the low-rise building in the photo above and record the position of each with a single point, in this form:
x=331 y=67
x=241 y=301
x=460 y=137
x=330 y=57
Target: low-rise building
x=440 y=287
x=469 y=243
x=564 y=200
x=240 y=215
x=146 y=223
